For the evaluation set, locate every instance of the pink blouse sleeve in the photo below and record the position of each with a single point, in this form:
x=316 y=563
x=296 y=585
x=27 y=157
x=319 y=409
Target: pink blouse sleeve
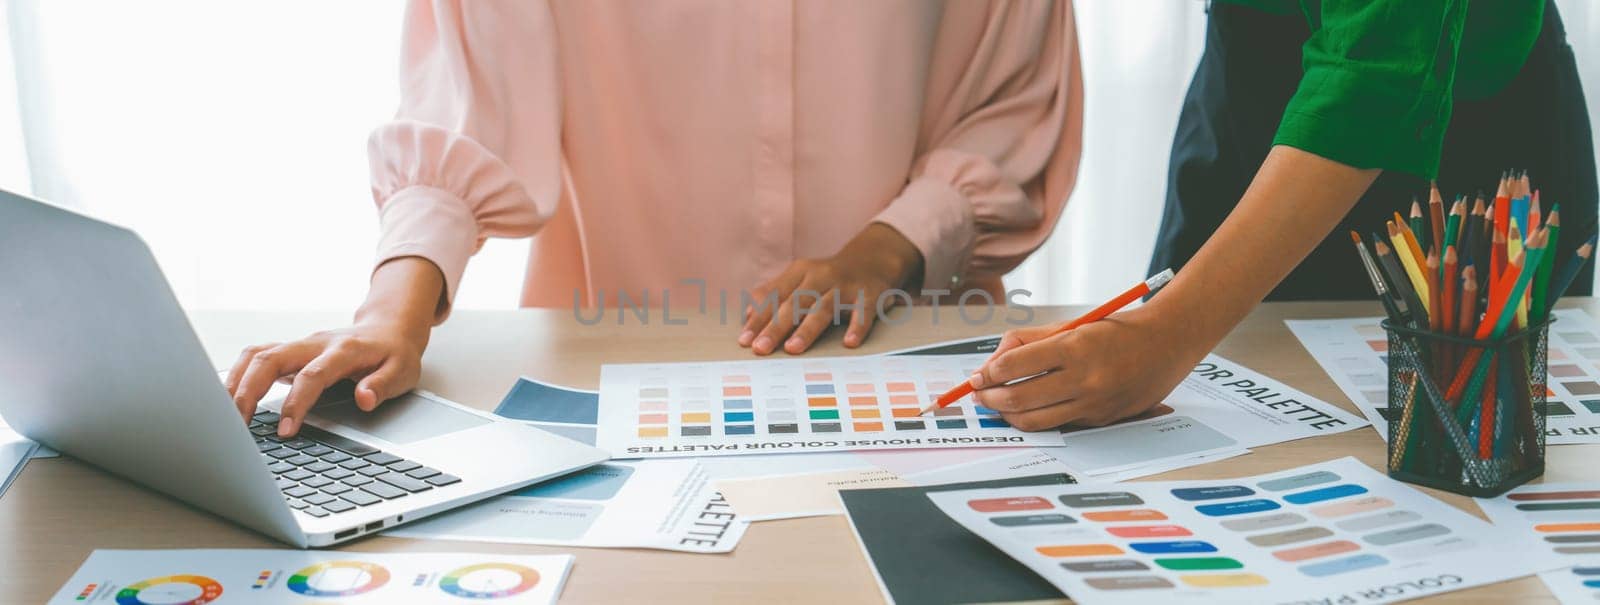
x=999 y=152
x=474 y=150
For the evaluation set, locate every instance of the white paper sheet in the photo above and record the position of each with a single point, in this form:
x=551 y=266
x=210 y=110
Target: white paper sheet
x=1335 y=532
x=775 y=406
x=663 y=504
x=1354 y=353
x=196 y=577
x=1563 y=518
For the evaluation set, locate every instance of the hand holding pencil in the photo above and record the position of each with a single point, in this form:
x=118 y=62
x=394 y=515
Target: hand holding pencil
x=1048 y=376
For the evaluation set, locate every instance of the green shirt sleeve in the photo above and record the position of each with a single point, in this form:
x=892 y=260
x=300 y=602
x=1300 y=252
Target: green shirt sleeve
x=1377 y=86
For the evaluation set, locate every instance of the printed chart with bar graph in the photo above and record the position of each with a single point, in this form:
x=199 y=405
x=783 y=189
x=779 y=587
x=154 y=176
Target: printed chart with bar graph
x=1335 y=532
x=1565 y=519
x=795 y=405
x=1354 y=352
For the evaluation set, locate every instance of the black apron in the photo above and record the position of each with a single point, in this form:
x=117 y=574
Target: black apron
x=1251 y=68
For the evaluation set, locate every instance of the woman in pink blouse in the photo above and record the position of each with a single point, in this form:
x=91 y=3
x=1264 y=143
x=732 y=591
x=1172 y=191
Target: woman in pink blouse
x=832 y=146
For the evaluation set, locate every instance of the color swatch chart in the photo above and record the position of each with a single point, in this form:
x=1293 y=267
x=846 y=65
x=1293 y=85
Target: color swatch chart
x=1563 y=518
x=1331 y=532
x=794 y=405
x=197 y=577
x=1354 y=352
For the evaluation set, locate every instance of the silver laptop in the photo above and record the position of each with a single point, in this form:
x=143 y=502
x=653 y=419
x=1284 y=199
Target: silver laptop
x=97 y=360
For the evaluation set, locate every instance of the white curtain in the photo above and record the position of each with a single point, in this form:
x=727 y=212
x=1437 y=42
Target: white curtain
x=232 y=135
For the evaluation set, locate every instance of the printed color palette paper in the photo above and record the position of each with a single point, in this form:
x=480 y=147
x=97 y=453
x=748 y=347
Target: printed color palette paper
x=1335 y=532
x=1563 y=518
x=197 y=577
x=795 y=405
x=1354 y=352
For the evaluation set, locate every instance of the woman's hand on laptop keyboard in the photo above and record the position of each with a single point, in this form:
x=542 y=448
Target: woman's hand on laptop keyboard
x=381 y=351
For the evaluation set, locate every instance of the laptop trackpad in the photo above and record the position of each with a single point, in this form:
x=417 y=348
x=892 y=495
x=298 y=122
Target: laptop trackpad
x=406 y=419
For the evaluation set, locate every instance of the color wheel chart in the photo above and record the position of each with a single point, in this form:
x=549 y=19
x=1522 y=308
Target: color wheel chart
x=1331 y=532
x=338 y=579
x=489 y=581
x=1354 y=353
x=186 y=589
x=794 y=405
x=1561 y=517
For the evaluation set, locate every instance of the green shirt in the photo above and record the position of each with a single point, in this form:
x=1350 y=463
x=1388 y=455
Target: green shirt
x=1380 y=75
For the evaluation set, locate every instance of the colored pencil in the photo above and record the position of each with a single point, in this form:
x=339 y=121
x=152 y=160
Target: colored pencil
x=1541 y=281
x=1417 y=225
x=1452 y=223
x=1569 y=273
x=1534 y=216
x=1436 y=215
x=1412 y=261
x=1399 y=282
x=1469 y=302
x=1514 y=245
x=1154 y=283
x=1497 y=260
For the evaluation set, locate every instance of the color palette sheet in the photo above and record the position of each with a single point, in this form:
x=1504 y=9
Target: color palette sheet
x=776 y=406
x=1335 y=532
x=197 y=577
x=1563 y=518
x=1354 y=352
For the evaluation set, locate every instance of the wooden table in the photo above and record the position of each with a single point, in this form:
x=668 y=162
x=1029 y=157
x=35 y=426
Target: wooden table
x=59 y=510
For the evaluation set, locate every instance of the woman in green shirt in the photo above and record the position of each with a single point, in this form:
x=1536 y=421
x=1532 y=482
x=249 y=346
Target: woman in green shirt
x=1307 y=118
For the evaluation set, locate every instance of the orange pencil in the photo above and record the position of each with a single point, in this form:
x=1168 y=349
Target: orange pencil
x=1111 y=306
x=1533 y=212
x=1497 y=259
x=1412 y=243
x=1467 y=321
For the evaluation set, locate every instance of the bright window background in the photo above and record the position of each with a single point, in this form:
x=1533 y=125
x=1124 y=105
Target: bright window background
x=232 y=135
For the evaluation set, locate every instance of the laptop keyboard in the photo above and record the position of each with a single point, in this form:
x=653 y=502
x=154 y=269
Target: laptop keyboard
x=321 y=473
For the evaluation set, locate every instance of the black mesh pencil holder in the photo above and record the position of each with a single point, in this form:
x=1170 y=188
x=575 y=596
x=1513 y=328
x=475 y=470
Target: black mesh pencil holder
x=1466 y=415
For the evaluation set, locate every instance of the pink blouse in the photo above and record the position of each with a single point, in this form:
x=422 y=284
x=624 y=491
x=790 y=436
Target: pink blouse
x=649 y=143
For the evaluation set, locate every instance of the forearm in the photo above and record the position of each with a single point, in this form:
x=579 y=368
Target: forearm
x=1294 y=201
x=405 y=294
